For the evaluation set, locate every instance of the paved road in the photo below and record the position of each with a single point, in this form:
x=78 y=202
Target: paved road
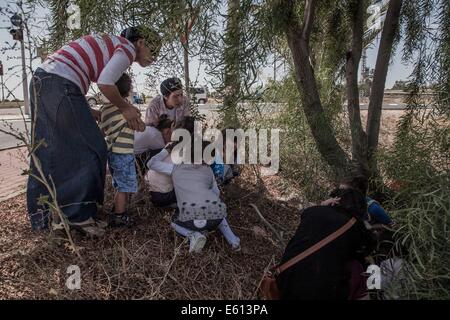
x=6 y=140
x=12 y=164
x=13 y=117
x=387 y=106
x=12 y=121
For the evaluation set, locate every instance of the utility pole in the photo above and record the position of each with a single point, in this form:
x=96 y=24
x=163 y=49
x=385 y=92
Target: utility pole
x=364 y=66
x=17 y=34
x=24 y=80
x=1 y=75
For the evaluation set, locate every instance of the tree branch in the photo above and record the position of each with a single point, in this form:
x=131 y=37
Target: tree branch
x=308 y=19
x=321 y=129
x=359 y=138
x=390 y=29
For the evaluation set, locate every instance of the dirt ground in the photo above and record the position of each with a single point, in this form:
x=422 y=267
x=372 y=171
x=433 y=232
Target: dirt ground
x=389 y=120
x=149 y=261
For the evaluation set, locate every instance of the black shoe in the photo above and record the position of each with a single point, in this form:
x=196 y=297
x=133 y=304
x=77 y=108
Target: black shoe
x=120 y=220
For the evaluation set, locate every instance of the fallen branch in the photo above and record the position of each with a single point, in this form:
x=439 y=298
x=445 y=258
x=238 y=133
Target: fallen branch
x=279 y=235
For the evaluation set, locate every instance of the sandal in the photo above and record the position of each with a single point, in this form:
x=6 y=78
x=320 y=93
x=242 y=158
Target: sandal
x=121 y=220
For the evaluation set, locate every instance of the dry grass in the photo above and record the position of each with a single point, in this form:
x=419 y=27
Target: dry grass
x=388 y=127
x=149 y=261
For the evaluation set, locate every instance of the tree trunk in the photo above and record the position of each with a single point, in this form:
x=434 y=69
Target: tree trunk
x=379 y=79
x=186 y=67
x=232 y=63
x=359 y=137
x=298 y=40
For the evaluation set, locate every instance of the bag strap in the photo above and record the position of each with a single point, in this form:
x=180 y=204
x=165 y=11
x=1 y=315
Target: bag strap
x=315 y=247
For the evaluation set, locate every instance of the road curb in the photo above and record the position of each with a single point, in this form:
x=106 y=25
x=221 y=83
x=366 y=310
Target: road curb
x=15 y=119
x=10 y=148
x=13 y=194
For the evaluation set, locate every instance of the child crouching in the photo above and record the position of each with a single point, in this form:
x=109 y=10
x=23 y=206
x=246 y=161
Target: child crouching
x=199 y=207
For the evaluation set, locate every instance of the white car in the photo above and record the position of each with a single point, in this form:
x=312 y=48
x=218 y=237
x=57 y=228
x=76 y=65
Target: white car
x=199 y=95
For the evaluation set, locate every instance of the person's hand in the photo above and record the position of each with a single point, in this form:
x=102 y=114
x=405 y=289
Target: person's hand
x=133 y=117
x=96 y=114
x=369 y=260
x=170 y=146
x=331 y=202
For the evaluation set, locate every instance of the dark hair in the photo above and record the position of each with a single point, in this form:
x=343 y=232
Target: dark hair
x=151 y=37
x=352 y=201
x=170 y=85
x=187 y=123
x=204 y=145
x=164 y=122
x=360 y=183
x=124 y=85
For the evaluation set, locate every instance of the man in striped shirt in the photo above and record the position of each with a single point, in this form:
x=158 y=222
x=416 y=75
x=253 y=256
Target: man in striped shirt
x=102 y=59
x=68 y=145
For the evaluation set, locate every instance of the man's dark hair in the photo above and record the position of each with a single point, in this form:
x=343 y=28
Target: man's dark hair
x=170 y=85
x=124 y=85
x=151 y=37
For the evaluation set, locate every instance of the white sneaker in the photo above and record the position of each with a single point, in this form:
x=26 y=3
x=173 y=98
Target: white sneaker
x=196 y=242
x=236 y=246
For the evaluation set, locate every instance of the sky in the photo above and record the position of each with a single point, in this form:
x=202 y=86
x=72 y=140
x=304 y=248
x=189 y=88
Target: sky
x=12 y=78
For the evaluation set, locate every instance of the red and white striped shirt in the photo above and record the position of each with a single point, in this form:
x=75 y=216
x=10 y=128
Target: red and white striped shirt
x=94 y=58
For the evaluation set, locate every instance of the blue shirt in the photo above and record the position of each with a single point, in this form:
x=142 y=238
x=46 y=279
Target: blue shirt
x=377 y=213
x=222 y=172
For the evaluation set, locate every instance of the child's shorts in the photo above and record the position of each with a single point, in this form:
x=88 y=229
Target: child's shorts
x=123 y=172
x=197 y=225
